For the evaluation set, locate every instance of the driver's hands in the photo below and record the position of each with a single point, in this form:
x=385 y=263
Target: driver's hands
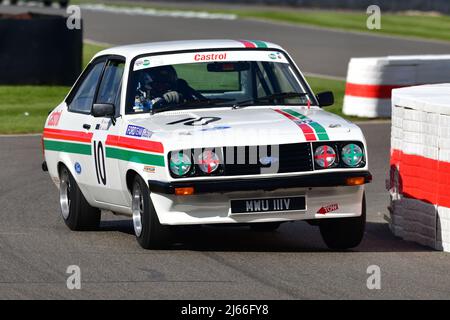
x=172 y=97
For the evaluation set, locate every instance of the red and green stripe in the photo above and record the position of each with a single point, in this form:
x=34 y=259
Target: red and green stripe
x=312 y=130
x=117 y=147
x=67 y=141
x=253 y=43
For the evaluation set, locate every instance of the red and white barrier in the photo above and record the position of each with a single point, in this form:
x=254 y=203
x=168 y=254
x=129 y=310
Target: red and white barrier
x=419 y=181
x=371 y=80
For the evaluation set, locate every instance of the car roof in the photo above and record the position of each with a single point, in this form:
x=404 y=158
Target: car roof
x=131 y=51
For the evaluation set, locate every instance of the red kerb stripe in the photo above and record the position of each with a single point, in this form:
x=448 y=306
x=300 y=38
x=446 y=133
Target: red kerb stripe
x=370 y=90
x=422 y=178
x=137 y=144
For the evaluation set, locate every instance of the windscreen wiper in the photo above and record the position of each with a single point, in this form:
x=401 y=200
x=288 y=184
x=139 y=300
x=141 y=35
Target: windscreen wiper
x=190 y=105
x=275 y=96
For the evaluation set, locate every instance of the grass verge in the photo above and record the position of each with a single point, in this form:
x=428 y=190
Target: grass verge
x=23 y=109
x=406 y=24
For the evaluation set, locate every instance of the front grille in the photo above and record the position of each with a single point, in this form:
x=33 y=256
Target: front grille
x=295 y=157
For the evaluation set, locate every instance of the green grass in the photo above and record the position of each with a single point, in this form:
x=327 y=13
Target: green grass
x=89 y=50
x=23 y=109
x=418 y=25
x=336 y=86
x=421 y=26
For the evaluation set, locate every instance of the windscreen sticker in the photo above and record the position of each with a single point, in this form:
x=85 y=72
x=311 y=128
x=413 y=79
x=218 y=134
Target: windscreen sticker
x=198 y=57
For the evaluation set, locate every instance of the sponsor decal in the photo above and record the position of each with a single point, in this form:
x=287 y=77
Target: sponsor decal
x=312 y=130
x=149 y=169
x=54 y=118
x=142 y=63
x=210 y=57
x=77 y=168
x=203 y=121
x=137 y=131
x=334 y=125
x=215 y=128
x=329 y=208
x=275 y=55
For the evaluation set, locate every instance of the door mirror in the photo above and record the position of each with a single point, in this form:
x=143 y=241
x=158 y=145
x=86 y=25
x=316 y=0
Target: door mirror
x=325 y=98
x=103 y=110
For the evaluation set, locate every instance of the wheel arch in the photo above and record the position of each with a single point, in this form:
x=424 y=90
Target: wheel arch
x=129 y=178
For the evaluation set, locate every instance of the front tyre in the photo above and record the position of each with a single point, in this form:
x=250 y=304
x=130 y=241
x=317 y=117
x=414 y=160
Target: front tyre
x=344 y=233
x=75 y=210
x=150 y=233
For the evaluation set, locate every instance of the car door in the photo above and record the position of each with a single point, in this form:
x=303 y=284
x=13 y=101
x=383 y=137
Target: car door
x=74 y=124
x=106 y=185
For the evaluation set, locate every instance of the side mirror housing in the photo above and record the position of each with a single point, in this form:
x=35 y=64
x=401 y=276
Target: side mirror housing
x=325 y=98
x=103 y=110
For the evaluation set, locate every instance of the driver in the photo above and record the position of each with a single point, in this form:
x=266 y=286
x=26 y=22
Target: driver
x=161 y=85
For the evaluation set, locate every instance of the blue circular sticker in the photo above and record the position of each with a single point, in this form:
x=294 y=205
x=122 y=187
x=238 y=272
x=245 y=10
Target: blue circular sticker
x=77 y=168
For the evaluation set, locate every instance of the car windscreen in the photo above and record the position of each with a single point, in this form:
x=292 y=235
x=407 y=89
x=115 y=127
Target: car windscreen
x=214 y=78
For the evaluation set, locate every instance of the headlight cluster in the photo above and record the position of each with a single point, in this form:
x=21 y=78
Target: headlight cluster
x=339 y=155
x=187 y=163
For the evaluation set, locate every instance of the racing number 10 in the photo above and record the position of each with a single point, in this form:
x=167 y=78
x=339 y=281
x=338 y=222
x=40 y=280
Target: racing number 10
x=99 y=157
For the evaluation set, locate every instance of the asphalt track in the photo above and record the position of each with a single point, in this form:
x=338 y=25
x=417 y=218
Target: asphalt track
x=224 y=263
x=315 y=50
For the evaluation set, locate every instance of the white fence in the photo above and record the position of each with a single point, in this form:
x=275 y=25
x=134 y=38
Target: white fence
x=419 y=181
x=371 y=80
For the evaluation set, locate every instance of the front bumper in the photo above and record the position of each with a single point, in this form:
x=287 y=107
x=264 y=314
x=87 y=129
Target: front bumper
x=211 y=202
x=266 y=184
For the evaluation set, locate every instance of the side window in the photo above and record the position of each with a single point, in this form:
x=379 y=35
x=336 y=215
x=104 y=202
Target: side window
x=84 y=97
x=110 y=86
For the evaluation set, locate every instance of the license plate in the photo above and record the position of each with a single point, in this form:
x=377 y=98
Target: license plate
x=268 y=205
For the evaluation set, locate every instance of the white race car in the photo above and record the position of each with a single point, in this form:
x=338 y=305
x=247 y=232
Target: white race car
x=205 y=132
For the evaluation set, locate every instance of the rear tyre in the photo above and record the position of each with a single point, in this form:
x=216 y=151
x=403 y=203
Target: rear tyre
x=47 y=3
x=344 y=233
x=75 y=210
x=13 y=2
x=150 y=233
x=265 y=226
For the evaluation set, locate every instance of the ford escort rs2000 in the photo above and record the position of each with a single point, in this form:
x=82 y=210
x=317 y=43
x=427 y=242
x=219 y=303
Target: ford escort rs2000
x=200 y=133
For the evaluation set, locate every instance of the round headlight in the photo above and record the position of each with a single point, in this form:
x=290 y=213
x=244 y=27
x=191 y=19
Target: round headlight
x=324 y=156
x=208 y=161
x=180 y=163
x=352 y=155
